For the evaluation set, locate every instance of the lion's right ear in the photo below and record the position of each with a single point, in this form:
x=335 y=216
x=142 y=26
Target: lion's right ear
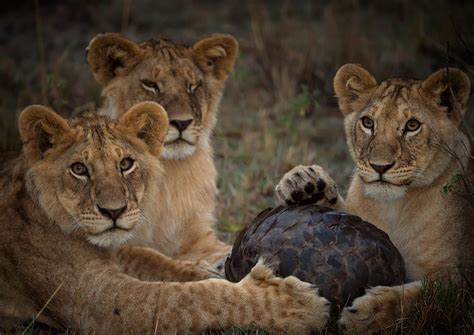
x=216 y=55
x=450 y=88
x=149 y=122
x=351 y=83
x=110 y=55
x=39 y=127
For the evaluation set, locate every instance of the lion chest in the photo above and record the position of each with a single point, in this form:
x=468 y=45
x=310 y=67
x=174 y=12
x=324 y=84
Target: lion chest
x=186 y=203
x=420 y=227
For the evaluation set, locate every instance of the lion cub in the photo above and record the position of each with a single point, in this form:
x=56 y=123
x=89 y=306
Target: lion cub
x=81 y=188
x=403 y=135
x=188 y=81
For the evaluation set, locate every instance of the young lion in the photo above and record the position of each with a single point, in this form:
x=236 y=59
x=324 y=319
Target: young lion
x=84 y=186
x=188 y=82
x=403 y=136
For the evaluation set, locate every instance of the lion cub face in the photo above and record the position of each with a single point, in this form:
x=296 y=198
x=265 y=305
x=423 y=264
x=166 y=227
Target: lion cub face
x=92 y=176
x=186 y=81
x=398 y=130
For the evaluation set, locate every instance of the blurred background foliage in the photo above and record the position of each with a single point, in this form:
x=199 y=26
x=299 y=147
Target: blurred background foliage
x=279 y=108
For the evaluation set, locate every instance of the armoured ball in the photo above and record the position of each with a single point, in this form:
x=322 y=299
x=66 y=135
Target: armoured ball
x=339 y=253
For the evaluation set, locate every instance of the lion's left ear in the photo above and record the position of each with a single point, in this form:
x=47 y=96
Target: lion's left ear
x=450 y=88
x=40 y=127
x=111 y=55
x=149 y=122
x=216 y=55
x=353 y=85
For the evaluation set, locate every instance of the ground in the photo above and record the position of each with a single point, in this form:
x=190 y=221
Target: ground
x=278 y=109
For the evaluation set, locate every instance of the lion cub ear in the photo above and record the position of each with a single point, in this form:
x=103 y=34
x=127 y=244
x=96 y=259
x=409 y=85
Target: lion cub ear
x=110 y=55
x=149 y=122
x=39 y=127
x=450 y=89
x=352 y=84
x=216 y=55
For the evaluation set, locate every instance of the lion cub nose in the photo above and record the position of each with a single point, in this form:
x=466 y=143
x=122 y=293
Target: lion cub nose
x=181 y=125
x=112 y=214
x=381 y=169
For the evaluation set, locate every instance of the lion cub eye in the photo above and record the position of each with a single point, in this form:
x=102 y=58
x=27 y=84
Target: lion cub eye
x=80 y=170
x=412 y=125
x=150 y=86
x=367 y=122
x=126 y=164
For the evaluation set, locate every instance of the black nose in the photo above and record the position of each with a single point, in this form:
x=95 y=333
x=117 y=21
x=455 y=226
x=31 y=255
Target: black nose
x=381 y=169
x=113 y=214
x=181 y=125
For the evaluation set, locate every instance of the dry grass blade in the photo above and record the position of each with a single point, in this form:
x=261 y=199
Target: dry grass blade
x=41 y=310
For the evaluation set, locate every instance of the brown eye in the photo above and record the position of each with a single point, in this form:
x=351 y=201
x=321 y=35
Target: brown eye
x=150 y=86
x=126 y=164
x=79 y=169
x=367 y=122
x=412 y=125
x=210 y=62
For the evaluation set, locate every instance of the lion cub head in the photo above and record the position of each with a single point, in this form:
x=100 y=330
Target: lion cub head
x=187 y=81
x=400 y=131
x=92 y=176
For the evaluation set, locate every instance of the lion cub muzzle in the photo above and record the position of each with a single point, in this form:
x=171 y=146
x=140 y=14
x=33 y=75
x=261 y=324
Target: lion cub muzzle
x=381 y=169
x=111 y=199
x=181 y=125
x=112 y=214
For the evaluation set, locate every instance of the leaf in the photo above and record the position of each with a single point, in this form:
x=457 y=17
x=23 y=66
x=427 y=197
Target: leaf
x=231 y=227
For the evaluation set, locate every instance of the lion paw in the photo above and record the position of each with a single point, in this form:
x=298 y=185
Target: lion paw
x=308 y=184
x=296 y=307
x=373 y=312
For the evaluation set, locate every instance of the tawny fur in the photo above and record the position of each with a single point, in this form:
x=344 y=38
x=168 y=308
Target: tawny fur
x=57 y=246
x=189 y=84
x=432 y=228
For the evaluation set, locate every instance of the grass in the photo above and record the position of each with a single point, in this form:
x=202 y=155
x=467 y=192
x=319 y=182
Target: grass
x=278 y=109
x=446 y=306
x=272 y=142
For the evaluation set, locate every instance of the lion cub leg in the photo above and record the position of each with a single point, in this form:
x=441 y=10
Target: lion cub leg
x=380 y=308
x=114 y=304
x=311 y=185
x=150 y=265
x=260 y=300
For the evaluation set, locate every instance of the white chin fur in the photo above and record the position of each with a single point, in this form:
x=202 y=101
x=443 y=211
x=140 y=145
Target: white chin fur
x=384 y=192
x=176 y=151
x=110 y=239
